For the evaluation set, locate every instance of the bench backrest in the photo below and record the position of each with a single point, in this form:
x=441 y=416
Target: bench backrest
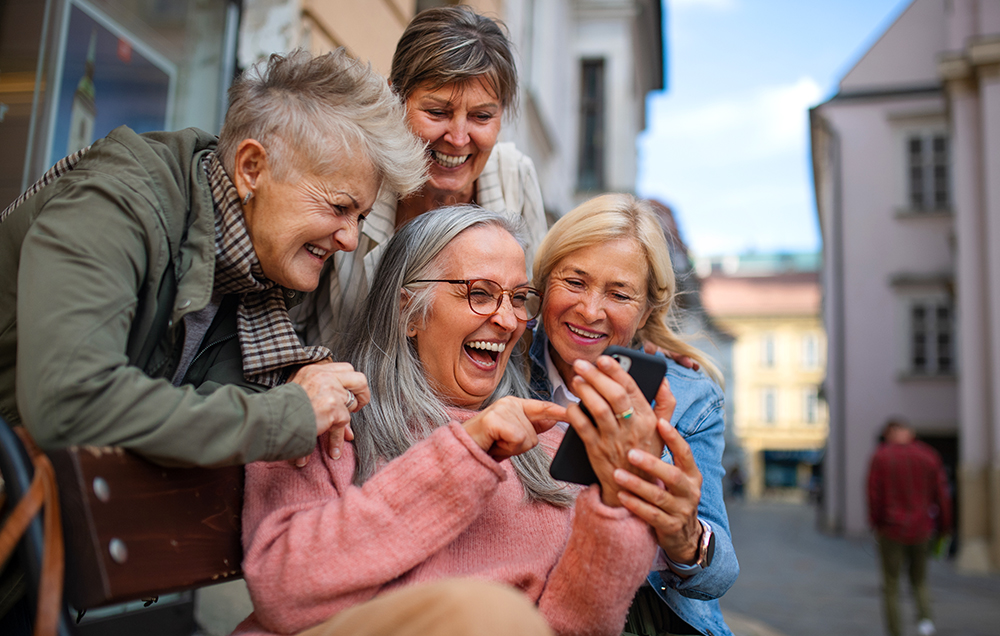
x=136 y=530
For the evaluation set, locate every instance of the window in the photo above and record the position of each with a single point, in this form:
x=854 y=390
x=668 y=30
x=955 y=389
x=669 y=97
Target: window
x=769 y=405
x=590 y=175
x=810 y=351
x=927 y=172
x=767 y=346
x=810 y=405
x=931 y=337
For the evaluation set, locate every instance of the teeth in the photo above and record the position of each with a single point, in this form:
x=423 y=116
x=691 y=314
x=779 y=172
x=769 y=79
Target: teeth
x=315 y=251
x=585 y=334
x=487 y=346
x=449 y=161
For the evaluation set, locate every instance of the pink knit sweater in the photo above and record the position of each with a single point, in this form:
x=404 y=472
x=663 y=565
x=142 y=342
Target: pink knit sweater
x=315 y=544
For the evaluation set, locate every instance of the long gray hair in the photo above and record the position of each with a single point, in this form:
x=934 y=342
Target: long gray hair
x=404 y=409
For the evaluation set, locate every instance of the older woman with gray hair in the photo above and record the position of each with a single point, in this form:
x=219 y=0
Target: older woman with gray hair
x=447 y=473
x=146 y=278
x=454 y=70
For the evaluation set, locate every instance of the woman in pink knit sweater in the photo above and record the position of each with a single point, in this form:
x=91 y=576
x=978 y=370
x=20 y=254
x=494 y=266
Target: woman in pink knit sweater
x=447 y=472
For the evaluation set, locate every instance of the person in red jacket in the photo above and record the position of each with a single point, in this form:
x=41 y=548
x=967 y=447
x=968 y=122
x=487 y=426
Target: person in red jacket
x=908 y=505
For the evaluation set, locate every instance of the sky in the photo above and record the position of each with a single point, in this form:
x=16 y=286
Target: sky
x=726 y=145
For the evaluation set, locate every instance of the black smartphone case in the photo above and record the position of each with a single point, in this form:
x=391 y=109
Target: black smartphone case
x=571 y=462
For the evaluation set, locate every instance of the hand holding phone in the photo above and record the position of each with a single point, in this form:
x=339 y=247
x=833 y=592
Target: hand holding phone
x=571 y=462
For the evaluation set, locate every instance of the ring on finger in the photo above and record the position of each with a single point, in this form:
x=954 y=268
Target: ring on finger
x=351 y=401
x=624 y=415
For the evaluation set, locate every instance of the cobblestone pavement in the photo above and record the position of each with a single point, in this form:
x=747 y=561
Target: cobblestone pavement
x=795 y=581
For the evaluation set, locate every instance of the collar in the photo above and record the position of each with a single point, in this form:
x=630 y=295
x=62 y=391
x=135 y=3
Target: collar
x=268 y=342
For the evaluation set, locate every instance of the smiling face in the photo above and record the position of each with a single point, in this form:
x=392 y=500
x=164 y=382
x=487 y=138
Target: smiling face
x=464 y=354
x=296 y=223
x=595 y=297
x=460 y=123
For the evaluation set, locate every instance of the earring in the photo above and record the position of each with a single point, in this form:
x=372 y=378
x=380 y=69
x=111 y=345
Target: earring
x=247 y=197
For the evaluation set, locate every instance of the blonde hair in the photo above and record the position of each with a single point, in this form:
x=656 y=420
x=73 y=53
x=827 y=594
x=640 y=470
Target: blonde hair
x=611 y=217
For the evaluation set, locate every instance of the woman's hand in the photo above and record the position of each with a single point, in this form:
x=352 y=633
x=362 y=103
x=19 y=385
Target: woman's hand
x=330 y=387
x=683 y=360
x=608 y=392
x=510 y=426
x=670 y=505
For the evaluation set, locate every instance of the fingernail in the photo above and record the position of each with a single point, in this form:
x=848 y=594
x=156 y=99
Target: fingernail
x=335 y=452
x=620 y=475
x=582 y=365
x=634 y=456
x=300 y=462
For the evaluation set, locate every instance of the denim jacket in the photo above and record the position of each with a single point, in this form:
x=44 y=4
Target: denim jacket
x=699 y=418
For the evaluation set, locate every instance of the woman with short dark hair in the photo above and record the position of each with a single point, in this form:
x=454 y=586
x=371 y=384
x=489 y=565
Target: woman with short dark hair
x=454 y=70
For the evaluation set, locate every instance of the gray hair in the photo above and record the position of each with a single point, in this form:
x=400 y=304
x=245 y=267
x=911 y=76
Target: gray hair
x=311 y=113
x=453 y=45
x=404 y=408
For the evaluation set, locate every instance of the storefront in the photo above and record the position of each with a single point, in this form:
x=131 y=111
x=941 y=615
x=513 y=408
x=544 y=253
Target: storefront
x=73 y=70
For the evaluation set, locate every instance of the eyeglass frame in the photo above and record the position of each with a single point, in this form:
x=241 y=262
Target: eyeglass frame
x=508 y=292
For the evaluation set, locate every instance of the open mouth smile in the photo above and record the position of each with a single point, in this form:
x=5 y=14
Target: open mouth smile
x=318 y=252
x=448 y=161
x=589 y=335
x=485 y=353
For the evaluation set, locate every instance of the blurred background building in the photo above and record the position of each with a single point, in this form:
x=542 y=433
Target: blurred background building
x=771 y=306
x=905 y=160
x=585 y=68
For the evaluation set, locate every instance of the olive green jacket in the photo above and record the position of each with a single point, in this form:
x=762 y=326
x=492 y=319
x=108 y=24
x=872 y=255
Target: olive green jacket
x=97 y=271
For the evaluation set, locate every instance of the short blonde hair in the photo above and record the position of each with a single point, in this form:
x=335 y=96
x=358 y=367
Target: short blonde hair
x=611 y=217
x=313 y=112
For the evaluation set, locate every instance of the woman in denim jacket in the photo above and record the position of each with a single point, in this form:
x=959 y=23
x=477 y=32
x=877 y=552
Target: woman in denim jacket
x=605 y=274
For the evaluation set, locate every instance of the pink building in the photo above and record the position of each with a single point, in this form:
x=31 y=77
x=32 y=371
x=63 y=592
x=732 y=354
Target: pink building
x=906 y=159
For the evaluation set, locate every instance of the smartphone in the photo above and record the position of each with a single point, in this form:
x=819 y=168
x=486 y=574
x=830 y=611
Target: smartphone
x=571 y=462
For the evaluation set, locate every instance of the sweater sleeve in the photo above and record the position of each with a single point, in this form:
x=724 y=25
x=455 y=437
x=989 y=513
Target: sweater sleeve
x=316 y=544
x=606 y=558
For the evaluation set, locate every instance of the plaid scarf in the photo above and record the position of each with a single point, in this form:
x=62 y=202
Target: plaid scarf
x=267 y=339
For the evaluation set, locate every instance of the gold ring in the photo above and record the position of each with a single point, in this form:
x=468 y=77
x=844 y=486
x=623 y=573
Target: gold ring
x=626 y=414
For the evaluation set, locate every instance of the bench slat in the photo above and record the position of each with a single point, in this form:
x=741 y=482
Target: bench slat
x=147 y=530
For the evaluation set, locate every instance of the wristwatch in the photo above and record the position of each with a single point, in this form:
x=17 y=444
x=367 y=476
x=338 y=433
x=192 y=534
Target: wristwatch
x=703 y=558
x=706 y=547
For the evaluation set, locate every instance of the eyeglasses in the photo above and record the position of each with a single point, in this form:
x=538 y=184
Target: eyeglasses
x=486 y=296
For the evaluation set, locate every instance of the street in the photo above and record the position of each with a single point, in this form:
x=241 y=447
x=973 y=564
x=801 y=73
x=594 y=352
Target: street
x=795 y=581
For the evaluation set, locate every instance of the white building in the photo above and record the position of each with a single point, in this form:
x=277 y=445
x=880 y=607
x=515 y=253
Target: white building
x=585 y=67
x=906 y=160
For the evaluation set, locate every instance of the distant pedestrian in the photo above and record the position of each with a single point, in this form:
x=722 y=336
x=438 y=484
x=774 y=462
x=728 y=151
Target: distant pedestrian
x=908 y=505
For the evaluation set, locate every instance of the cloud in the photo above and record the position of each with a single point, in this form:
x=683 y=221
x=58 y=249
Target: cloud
x=735 y=168
x=764 y=122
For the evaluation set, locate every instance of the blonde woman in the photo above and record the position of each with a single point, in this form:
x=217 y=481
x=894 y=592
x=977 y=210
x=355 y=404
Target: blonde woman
x=605 y=276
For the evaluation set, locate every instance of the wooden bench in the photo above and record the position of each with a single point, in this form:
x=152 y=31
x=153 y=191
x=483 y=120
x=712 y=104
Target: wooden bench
x=135 y=530
x=132 y=530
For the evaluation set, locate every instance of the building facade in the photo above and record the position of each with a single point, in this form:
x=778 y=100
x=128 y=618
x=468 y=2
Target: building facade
x=585 y=67
x=905 y=158
x=772 y=309
x=73 y=70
